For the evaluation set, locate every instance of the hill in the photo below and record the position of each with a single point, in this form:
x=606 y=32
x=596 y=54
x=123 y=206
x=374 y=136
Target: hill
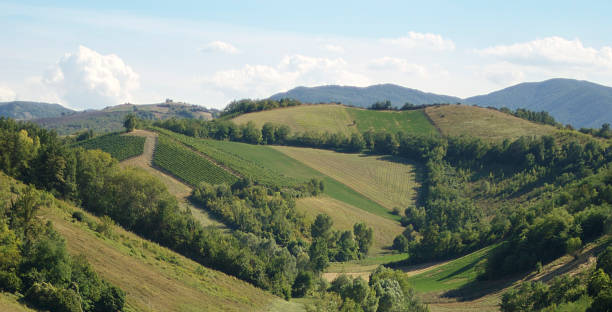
x=574 y=102
x=23 y=110
x=484 y=123
x=339 y=118
x=110 y=119
x=364 y=97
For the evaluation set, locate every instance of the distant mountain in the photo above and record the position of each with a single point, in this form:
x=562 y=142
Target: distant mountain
x=574 y=102
x=32 y=110
x=364 y=97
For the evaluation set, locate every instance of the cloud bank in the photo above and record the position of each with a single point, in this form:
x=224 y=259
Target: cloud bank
x=87 y=79
x=6 y=94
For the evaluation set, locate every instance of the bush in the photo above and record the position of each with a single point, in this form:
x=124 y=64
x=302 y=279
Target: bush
x=78 y=215
x=111 y=299
x=46 y=296
x=9 y=282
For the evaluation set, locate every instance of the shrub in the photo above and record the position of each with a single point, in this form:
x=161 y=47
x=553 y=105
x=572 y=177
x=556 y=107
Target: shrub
x=9 y=281
x=78 y=215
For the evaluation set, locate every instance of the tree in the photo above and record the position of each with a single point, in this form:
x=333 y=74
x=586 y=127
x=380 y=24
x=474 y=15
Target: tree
x=322 y=227
x=319 y=259
x=268 y=133
x=364 y=237
x=129 y=122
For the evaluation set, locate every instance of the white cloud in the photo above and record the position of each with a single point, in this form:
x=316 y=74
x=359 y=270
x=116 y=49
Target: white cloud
x=503 y=74
x=220 y=46
x=416 y=40
x=334 y=48
x=552 y=51
x=88 y=79
x=6 y=94
x=291 y=71
x=388 y=63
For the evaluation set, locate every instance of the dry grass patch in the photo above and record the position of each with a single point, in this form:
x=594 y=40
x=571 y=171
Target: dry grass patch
x=484 y=123
x=9 y=303
x=345 y=216
x=388 y=181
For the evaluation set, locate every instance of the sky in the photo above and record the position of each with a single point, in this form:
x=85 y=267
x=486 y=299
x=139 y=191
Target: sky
x=93 y=54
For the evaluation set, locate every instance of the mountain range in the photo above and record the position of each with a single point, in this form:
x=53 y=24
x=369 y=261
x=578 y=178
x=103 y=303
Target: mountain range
x=574 y=102
x=31 y=110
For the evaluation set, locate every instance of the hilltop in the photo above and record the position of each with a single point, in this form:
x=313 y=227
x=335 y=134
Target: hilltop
x=23 y=110
x=364 y=97
x=574 y=102
x=110 y=119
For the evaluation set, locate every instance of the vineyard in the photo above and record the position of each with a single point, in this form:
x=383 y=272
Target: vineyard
x=253 y=161
x=188 y=165
x=119 y=146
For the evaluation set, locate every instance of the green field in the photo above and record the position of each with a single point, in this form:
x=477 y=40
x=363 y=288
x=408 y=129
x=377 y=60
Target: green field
x=451 y=275
x=119 y=146
x=188 y=165
x=339 y=118
x=273 y=167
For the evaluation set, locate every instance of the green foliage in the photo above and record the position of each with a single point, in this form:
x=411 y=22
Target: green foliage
x=129 y=122
x=247 y=106
x=119 y=146
x=188 y=165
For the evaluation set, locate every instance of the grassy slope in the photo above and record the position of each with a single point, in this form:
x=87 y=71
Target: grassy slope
x=345 y=216
x=119 y=146
x=9 y=303
x=488 y=124
x=338 y=118
x=389 y=181
x=271 y=166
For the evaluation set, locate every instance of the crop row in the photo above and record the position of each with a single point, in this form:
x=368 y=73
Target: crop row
x=188 y=165
x=119 y=146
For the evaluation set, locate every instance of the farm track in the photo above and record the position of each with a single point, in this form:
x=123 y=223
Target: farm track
x=178 y=188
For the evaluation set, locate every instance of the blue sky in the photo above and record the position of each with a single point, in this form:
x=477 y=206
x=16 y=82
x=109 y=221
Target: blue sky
x=89 y=54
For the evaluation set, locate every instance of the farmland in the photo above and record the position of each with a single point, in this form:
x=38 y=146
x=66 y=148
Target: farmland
x=119 y=146
x=188 y=165
x=389 y=181
x=484 y=123
x=337 y=118
x=270 y=166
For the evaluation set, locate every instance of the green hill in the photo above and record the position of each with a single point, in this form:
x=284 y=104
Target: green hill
x=23 y=110
x=339 y=118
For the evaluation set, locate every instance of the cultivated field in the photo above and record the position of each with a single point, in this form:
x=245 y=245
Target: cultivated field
x=345 y=216
x=389 y=181
x=119 y=146
x=338 y=118
x=484 y=123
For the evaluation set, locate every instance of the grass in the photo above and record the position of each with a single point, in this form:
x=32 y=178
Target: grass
x=360 y=268
x=345 y=216
x=451 y=275
x=153 y=277
x=389 y=181
x=487 y=124
x=338 y=118
x=119 y=146
x=9 y=303
x=188 y=165
x=270 y=166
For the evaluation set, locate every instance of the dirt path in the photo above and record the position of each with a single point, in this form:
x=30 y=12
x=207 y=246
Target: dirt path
x=177 y=188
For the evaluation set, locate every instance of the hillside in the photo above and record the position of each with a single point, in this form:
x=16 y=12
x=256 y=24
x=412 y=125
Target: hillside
x=574 y=102
x=487 y=124
x=110 y=119
x=23 y=110
x=364 y=97
x=339 y=118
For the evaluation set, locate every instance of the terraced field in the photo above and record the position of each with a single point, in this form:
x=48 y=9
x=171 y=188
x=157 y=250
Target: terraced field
x=339 y=118
x=188 y=165
x=389 y=181
x=484 y=123
x=119 y=146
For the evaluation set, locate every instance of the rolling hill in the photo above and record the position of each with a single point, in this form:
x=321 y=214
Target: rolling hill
x=574 y=102
x=32 y=110
x=364 y=97
x=110 y=119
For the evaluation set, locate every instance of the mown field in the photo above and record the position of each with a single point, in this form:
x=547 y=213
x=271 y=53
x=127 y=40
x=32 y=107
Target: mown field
x=484 y=123
x=389 y=181
x=188 y=165
x=270 y=166
x=338 y=118
x=345 y=216
x=119 y=146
